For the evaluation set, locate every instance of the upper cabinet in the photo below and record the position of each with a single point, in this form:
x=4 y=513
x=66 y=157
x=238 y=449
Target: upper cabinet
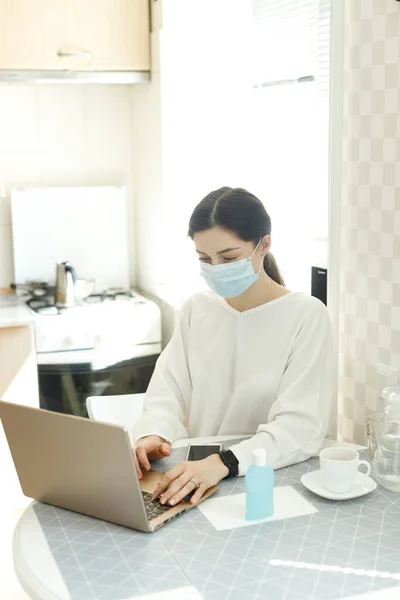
x=83 y=35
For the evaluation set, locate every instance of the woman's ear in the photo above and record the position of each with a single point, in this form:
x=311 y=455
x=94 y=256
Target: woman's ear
x=266 y=244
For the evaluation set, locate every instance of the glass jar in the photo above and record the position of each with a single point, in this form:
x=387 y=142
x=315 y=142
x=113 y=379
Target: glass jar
x=387 y=391
x=386 y=463
x=374 y=421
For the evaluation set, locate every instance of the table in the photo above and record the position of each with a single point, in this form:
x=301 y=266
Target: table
x=342 y=550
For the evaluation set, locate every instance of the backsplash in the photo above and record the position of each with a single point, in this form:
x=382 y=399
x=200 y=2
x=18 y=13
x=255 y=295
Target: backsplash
x=62 y=135
x=370 y=213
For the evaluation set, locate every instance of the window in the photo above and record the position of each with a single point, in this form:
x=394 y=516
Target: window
x=289 y=130
x=249 y=109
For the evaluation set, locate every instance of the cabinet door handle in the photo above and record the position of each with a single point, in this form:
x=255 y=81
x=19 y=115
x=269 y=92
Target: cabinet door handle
x=80 y=53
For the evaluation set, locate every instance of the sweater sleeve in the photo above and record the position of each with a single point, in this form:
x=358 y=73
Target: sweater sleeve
x=167 y=400
x=300 y=416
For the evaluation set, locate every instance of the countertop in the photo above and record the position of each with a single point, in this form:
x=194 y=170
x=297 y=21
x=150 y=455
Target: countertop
x=14 y=312
x=339 y=550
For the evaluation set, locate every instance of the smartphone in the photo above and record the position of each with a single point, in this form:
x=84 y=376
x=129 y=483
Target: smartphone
x=198 y=452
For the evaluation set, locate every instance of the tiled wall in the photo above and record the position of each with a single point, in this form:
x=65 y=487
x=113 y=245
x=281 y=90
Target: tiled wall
x=62 y=135
x=370 y=212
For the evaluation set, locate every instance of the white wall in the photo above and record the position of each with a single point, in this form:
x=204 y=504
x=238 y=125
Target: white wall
x=187 y=134
x=146 y=137
x=62 y=135
x=204 y=108
x=148 y=182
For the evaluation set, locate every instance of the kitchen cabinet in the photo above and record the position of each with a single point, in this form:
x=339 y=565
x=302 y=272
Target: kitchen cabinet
x=18 y=368
x=82 y=35
x=18 y=383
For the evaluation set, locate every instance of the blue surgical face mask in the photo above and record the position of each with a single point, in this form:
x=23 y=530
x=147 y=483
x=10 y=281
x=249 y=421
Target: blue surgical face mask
x=231 y=279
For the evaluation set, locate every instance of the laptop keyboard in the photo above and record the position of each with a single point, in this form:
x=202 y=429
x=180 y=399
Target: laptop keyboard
x=153 y=507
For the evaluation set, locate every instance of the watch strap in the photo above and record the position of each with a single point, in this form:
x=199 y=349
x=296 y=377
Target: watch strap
x=230 y=461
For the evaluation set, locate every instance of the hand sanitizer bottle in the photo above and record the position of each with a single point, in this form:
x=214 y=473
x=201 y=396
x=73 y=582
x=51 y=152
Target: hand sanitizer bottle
x=259 y=488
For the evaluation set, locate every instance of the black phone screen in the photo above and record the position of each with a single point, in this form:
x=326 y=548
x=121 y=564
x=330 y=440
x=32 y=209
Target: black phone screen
x=201 y=452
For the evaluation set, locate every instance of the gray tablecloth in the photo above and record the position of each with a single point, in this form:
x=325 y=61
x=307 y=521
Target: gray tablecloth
x=344 y=549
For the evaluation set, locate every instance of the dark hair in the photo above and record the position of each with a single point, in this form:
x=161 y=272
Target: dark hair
x=238 y=211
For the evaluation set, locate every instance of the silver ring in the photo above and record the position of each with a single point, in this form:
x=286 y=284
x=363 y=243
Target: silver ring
x=197 y=485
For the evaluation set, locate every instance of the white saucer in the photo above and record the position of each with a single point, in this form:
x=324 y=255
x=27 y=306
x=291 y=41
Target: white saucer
x=361 y=486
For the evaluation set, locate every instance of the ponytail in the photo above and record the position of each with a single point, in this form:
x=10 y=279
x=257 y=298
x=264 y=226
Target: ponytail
x=272 y=270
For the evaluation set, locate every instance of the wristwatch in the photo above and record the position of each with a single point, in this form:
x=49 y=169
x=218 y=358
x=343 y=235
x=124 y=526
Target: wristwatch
x=230 y=461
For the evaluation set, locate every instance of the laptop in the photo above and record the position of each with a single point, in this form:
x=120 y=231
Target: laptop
x=85 y=466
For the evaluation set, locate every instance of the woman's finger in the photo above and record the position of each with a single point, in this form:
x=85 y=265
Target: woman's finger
x=183 y=492
x=199 y=493
x=142 y=457
x=168 y=478
x=159 y=452
x=138 y=469
x=175 y=487
x=165 y=449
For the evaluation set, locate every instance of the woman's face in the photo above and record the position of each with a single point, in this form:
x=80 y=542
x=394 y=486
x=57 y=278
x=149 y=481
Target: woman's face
x=217 y=246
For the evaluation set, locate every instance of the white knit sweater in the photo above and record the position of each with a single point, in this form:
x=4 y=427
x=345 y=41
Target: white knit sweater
x=266 y=372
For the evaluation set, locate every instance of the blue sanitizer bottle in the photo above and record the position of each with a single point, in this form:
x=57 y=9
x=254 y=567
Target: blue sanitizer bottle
x=259 y=488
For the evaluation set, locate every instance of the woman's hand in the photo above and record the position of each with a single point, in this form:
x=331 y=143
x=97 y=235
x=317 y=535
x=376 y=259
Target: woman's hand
x=149 y=448
x=183 y=479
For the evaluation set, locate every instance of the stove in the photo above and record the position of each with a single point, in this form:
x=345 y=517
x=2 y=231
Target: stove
x=44 y=305
x=107 y=344
x=115 y=320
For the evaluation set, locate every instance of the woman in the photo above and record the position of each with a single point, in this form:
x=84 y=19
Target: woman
x=250 y=357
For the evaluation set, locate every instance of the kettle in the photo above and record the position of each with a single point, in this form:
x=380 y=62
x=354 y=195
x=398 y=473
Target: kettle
x=64 y=295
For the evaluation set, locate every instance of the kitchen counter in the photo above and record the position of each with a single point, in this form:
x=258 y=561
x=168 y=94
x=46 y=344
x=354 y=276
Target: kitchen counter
x=329 y=551
x=14 y=312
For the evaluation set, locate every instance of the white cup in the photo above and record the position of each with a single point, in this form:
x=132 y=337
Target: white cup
x=339 y=467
